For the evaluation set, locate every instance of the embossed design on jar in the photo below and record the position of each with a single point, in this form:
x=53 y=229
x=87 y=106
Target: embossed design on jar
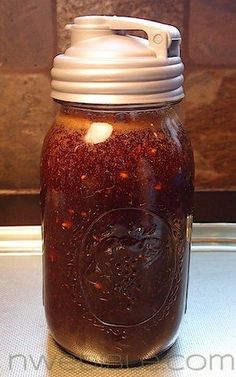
x=127 y=266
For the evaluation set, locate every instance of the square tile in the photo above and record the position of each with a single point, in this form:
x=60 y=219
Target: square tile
x=26 y=34
x=26 y=113
x=212 y=30
x=210 y=117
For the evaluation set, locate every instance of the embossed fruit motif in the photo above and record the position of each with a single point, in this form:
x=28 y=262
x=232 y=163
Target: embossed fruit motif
x=130 y=264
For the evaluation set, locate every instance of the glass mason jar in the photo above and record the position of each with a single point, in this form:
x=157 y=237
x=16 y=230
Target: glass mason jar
x=116 y=194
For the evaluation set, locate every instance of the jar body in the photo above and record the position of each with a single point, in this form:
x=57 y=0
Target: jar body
x=116 y=196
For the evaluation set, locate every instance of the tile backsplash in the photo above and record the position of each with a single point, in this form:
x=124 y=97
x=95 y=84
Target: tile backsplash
x=32 y=32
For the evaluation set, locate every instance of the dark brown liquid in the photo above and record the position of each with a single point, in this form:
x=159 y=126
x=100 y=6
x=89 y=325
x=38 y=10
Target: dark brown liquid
x=115 y=219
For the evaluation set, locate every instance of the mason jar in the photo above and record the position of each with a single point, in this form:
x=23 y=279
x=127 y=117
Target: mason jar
x=116 y=193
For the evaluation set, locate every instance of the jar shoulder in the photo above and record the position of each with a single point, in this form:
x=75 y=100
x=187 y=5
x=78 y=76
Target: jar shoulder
x=138 y=148
x=94 y=128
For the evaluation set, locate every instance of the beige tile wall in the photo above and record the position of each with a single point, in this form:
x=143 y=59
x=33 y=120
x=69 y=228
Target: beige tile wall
x=32 y=32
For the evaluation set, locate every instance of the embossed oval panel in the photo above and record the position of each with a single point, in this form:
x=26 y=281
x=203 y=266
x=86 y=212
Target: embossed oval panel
x=129 y=265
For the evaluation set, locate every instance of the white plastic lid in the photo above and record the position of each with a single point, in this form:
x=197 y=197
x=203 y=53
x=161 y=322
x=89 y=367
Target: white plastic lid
x=103 y=67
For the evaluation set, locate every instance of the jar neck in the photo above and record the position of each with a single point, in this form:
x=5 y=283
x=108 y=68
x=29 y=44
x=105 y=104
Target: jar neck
x=74 y=107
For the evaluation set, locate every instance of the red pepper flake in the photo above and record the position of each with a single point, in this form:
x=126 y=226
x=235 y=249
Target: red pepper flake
x=52 y=255
x=124 y=175
x=152 y=151
x=138 y=149
x=83 y=177
x=67 y=224
x=71 y=211
x=83 y=214
x=158 y=186
x=98 y=285
x=52 y=258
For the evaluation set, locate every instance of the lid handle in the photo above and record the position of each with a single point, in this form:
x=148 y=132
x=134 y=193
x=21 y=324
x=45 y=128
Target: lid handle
x=160 y=36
